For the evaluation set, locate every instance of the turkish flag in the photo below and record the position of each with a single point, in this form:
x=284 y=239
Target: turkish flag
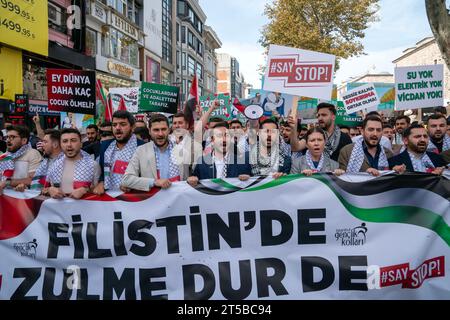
x=120 y=167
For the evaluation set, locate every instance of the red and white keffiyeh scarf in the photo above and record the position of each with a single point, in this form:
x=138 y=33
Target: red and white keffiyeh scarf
x=7 y=161
x=83 y=175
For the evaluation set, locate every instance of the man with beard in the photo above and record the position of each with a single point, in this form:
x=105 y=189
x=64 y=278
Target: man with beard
x=115 y=154
x=336 y=140
x=91 y=134
x=366 y=154
x=19 y=163
x=415 y=158
x=401 y=123
x=155 y=164
x=76 y=172
x=286 y=134
x=266 y=156
x=93 y=148
x=221 y=162
x=439 y=140
x=52 y=151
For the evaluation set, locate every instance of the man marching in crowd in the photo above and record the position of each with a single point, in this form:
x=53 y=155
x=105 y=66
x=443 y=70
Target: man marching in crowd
x=115 y=154
x=437 y=130
x=266 y=156
x=19 y=163
x=52 y=151
x=416 y=158
x=366 y=154
x=326 y=115
x=75 y=173
x=222 y=162
x=155 y=163
x=401 y=123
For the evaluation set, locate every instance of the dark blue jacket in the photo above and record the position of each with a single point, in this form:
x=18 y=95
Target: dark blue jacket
x=103 y=146
x=403 y=158
x=205 y=168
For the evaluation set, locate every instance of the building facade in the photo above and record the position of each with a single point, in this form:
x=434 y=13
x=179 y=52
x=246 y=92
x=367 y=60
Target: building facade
x=212 y=43
x=115 y=38
x=229 y=78
x=67 y=49
x=124 y=41
x=190 y=46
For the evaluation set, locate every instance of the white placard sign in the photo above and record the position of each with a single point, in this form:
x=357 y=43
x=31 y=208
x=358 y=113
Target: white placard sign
x=419 y=87
x=299 y=72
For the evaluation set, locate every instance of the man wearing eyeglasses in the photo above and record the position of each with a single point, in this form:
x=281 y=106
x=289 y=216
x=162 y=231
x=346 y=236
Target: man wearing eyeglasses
x=19 y=163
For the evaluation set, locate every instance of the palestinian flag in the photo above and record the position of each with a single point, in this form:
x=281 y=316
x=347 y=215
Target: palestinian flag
x=106 y=103
x=192 y=101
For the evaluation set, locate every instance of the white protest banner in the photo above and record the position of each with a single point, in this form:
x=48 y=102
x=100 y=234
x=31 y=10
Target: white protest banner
x=299 y=72
x=347 y=237
x=419 y=87
x=130 y=96
x=360 y=98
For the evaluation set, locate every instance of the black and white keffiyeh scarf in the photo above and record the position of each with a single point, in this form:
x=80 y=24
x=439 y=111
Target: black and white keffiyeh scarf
x=264 y=166
x=310 y=163
x=332 y=141
x=445 y=145
x=357 y=158
x=422 y=163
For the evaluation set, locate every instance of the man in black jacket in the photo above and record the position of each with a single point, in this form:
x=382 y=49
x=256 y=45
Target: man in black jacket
x=415 y=158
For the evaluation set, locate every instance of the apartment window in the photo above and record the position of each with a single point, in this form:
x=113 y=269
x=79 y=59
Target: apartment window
x=191 y=66
x=184 y=61
x=91 y=42
x=183 y=34
x=121 y=6
x=178 y=59
x=181 y=8
x=200 y=48
x=178 y=32
x=167 y=30
x=57 y=18
x=130 y=10
x=153 y=71
x=122 y=47
x=199 y=71
x=190 y=39
x=191 y=15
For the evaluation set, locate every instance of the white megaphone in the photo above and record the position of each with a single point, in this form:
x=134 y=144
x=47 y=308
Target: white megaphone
x=254 y=111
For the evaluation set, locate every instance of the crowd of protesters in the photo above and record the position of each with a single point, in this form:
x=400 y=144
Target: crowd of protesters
x=128 y=155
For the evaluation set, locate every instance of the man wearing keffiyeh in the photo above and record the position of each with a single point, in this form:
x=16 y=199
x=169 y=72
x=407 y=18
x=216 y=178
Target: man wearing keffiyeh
x=74 y=174
x=266 y=157
x=416 y=158
x=18 y=164
x=366 y=154
x=115 y=154
x=52 y=151
x=437 y=130
x=336 y=140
